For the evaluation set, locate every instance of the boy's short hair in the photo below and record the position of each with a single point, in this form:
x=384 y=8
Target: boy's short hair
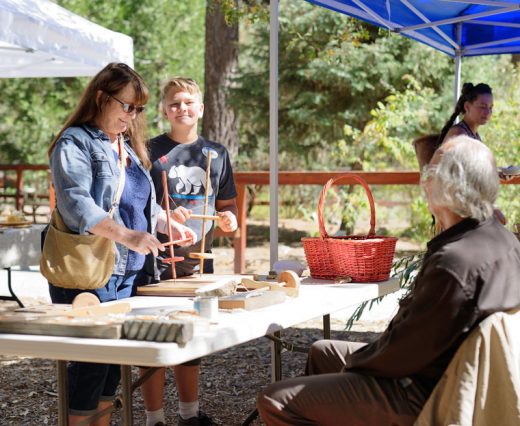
x=181 y=84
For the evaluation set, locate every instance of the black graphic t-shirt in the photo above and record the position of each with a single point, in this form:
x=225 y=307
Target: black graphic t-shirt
x=185 y=167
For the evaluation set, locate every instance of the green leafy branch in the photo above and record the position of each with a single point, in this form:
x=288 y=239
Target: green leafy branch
x=406 y=268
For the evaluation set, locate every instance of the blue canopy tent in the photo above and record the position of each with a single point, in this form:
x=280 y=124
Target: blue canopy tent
x=455 y=27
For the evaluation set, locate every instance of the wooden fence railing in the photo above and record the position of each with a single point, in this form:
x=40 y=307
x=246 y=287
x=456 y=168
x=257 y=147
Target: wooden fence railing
x=18 y=170
x=242 y=179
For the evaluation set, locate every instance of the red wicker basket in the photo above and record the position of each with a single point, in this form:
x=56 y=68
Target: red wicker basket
x=362 y=258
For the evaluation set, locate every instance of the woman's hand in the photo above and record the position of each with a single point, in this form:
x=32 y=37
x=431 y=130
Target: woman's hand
x=182 y=232
x=227 y=221
x=505 y=178
x=507 y=173
x=142 y=242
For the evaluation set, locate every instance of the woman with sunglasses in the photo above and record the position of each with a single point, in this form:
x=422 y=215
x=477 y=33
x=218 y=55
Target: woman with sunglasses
x=84 y=164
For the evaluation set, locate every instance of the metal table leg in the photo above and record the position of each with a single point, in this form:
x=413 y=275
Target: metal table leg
x=10 y=288
x=276 y=357
x=63 y=394
x=276 y=369
x=126 y=384
x=326 y=326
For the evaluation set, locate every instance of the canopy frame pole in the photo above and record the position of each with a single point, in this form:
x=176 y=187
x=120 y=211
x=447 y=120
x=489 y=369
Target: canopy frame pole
x=458 y=64
x=373 y=14
x=425 y=19
x=273 y=131
x=459 y=19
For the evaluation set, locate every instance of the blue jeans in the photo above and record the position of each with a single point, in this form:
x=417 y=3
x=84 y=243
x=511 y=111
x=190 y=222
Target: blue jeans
x=90 y=383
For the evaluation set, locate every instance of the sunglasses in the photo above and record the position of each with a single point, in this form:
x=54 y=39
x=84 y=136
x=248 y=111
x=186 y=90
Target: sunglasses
x=128 y=108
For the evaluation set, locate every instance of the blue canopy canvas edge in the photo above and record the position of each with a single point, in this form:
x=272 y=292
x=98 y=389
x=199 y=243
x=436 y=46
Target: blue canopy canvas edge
x=455 y=27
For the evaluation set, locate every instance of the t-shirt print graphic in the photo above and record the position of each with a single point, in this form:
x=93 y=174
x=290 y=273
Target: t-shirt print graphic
x=189 y=180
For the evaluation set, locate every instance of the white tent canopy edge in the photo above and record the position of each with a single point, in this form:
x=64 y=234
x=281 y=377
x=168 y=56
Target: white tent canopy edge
x=39 y=38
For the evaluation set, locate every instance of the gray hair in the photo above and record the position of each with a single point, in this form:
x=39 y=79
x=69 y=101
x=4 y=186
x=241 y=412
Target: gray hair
x=465 y=180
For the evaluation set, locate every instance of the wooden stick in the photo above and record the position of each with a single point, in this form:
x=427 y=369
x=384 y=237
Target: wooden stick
x=201 y=216
x=176 y=242
x=202 y=255
x=168 y=220
x=205 y=211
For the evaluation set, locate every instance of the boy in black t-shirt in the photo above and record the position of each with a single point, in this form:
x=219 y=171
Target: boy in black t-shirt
x=183 y=154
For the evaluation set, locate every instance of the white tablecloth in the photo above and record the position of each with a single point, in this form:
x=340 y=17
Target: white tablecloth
x=230 y=329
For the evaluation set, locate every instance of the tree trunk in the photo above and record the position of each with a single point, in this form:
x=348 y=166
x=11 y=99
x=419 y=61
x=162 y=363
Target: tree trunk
x=220 y=122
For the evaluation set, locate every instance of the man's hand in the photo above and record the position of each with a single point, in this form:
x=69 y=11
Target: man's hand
x=227 y=221
x=181 y=214
x=179 y=231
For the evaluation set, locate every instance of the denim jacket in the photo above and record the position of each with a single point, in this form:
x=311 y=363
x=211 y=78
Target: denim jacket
x=85 y=175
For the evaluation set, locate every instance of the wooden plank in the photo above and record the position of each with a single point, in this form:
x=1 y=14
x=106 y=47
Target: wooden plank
x=65 y=310
x=271 y=285
x=190 y=286
x=96 y=310
x=251 y=300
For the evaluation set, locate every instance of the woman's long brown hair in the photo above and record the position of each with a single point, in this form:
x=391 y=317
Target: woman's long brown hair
x=111 y=80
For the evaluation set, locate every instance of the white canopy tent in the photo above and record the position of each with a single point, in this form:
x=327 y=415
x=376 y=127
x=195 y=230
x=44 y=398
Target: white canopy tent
x=38 y=38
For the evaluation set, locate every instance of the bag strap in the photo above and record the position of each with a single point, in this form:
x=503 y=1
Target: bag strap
x=58 y=223
x=122 y=174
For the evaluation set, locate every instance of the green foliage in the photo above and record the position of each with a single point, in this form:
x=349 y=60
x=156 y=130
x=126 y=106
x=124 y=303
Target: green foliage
x=351 y=96
x=421 y=222
x=333 y=71
x=249 y=11
x=32 y=111
x=406 y=268
x=168 y=40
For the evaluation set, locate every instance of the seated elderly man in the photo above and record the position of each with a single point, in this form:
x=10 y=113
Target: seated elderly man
x=470 y=271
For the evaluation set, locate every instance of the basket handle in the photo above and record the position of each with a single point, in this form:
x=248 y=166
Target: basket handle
x=323 y=195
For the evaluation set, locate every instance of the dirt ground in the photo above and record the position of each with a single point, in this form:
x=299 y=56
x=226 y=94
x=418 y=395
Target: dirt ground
x=229 y=380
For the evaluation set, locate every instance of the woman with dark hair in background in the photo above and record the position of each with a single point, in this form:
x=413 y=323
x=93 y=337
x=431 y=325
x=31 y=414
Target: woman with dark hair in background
x=476 y=104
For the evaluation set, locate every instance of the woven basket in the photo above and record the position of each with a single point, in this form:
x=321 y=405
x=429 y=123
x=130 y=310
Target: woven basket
x=362 y=258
